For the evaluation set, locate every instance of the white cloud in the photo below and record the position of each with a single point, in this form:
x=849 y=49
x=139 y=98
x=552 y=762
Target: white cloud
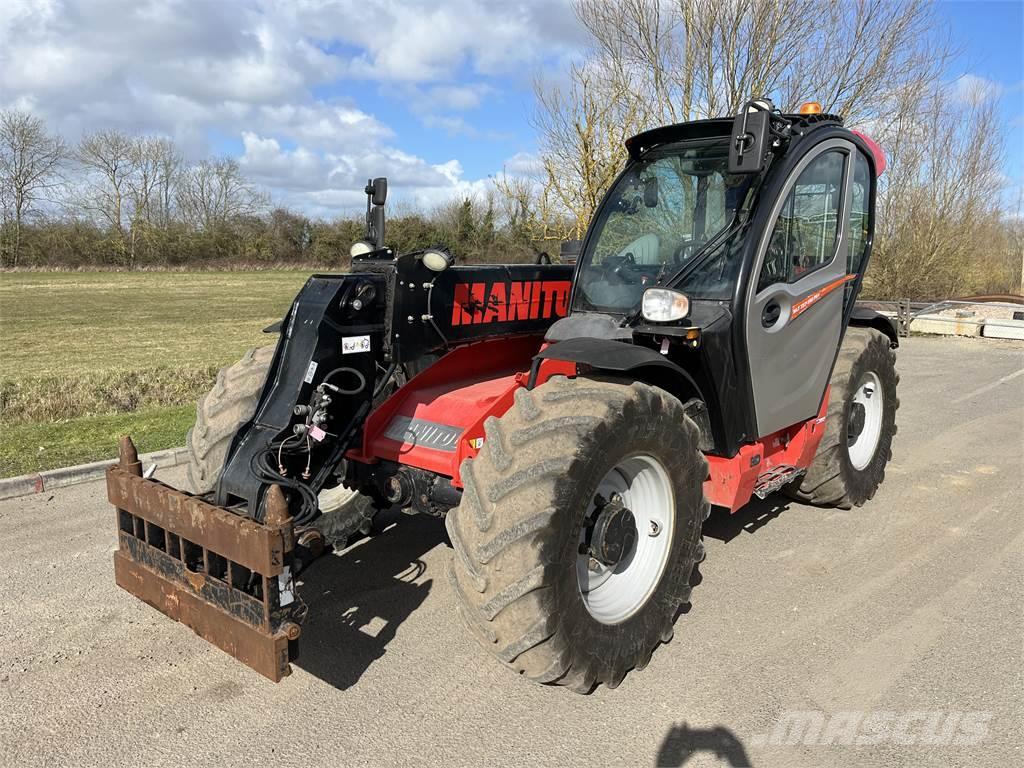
x=423 y=40
x=255 y=71
x=972 y=89
x=523 y=164
x=453 y=125
x=458 y=97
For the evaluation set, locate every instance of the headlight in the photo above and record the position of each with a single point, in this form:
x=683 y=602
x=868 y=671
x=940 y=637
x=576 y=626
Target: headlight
x=361 y=248
x=435 y=260
x=663 y=305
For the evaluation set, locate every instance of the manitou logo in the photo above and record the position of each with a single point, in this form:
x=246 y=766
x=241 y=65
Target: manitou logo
x=507 y=302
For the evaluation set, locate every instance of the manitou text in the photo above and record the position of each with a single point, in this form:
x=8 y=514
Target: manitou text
x=505 y=302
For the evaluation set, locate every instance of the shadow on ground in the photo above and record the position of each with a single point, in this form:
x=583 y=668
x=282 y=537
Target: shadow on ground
x=756 y=514
x=682 y=743
x=357 y=599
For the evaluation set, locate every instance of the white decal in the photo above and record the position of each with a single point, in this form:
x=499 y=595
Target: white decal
x=310 y=372
x=350 y=344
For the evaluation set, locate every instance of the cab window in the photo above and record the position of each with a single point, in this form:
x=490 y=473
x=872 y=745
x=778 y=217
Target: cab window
x=805 y=234
x=859 y=214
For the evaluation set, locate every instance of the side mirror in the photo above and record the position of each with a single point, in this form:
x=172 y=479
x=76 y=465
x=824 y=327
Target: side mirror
x=749 y=138
x=376 y=193
x=380 y=190
x=651 y=192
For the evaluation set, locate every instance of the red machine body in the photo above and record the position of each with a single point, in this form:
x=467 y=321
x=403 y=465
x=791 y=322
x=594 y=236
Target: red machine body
x=436 y=421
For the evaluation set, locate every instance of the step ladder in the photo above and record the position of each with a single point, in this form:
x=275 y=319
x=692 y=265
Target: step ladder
x=776 y=477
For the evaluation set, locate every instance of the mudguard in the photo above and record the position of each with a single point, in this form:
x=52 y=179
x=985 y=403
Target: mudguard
x=862 y=316
x=621 y=357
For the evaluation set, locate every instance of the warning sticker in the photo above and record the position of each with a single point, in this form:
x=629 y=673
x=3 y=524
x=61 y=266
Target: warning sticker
x=310 y=372
x=350 y=344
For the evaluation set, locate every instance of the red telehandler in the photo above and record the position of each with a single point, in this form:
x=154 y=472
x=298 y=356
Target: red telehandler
x=572 y=425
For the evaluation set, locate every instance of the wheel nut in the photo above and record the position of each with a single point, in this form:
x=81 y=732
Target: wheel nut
x=593 y=565
x=655 y=529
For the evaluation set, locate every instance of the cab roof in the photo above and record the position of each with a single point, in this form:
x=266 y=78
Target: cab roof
x=719 y=127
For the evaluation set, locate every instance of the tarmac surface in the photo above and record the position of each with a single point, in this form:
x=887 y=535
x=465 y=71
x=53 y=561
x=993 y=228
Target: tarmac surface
x=889 y=635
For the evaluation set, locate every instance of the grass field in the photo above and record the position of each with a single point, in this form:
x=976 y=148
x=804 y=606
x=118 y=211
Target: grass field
x=85 y=357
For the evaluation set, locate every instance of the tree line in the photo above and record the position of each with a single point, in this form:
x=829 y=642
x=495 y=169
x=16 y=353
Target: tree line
x=116 y=200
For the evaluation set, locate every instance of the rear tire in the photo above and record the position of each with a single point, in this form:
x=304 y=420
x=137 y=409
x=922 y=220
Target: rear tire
x=222 y=412
x=850 y=462
x=516 y=535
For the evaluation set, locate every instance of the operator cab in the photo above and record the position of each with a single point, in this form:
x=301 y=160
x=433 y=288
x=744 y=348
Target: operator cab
x=715 y=238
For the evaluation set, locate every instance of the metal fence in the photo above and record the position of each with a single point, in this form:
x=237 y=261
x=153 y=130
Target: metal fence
x=906 y=311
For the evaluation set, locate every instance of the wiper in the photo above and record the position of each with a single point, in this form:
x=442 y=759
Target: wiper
x=703 y=254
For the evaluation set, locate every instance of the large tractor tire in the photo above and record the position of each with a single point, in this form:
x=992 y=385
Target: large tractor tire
x=860 y=425
x=220 y=414
x=578 y=468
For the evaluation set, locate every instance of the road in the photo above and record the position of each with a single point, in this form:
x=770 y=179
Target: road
x=906 y=612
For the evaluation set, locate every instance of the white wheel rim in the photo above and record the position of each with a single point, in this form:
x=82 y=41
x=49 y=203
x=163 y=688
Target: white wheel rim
x=869 y=395
x=612 y=594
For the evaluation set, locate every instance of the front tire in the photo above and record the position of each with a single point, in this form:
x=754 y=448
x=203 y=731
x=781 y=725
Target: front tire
x=861 y=423
x=529 y=509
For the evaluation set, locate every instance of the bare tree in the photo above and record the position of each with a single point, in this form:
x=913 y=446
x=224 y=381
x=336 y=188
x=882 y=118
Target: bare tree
x=30 y=164
x=107 y=159
x=130 y=184
x=214 y=192
x=150 y=185
x=654 y=62
x=167 y=167
x=582 y=129
x=941 y=230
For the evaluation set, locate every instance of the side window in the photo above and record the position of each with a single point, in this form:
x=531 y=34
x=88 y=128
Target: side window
x=859 y=215
x=804 y=236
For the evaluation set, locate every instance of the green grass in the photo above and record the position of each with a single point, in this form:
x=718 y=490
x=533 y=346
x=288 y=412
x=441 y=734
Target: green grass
x=85 y=322
x=86 y=356
x=37 y=446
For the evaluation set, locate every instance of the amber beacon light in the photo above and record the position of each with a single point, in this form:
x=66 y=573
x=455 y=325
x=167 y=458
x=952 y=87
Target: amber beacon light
x=810 y=108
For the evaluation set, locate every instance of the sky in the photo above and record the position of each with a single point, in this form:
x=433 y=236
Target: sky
x=315 y=96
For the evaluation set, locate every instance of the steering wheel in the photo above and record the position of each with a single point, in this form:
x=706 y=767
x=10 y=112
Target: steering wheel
x=625 y=270
x=685 y=250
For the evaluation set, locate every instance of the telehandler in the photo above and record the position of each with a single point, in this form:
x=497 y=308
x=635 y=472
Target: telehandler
x=572 y=425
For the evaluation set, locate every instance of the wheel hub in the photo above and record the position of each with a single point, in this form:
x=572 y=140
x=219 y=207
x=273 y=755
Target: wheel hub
x=626 y=538
x=864 y=426
x=614 y=532
x=856 y=424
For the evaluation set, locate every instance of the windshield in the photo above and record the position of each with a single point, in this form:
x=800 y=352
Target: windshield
x=660 y=213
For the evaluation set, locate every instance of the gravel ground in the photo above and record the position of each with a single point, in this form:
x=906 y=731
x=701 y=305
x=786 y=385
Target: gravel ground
x=887 y=624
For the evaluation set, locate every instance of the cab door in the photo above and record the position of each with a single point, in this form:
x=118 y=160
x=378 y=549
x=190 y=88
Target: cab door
x=795 y=301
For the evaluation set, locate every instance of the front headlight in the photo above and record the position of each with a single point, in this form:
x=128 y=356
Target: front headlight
x=361 y=248
x=663 y=305
x=436 y=260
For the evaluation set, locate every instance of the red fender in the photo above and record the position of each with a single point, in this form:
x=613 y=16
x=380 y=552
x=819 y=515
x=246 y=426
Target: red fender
x=437 y=419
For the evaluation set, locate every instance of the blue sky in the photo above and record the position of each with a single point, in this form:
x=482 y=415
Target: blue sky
x=313 y=96
x=991 y=37
x=988 y=33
